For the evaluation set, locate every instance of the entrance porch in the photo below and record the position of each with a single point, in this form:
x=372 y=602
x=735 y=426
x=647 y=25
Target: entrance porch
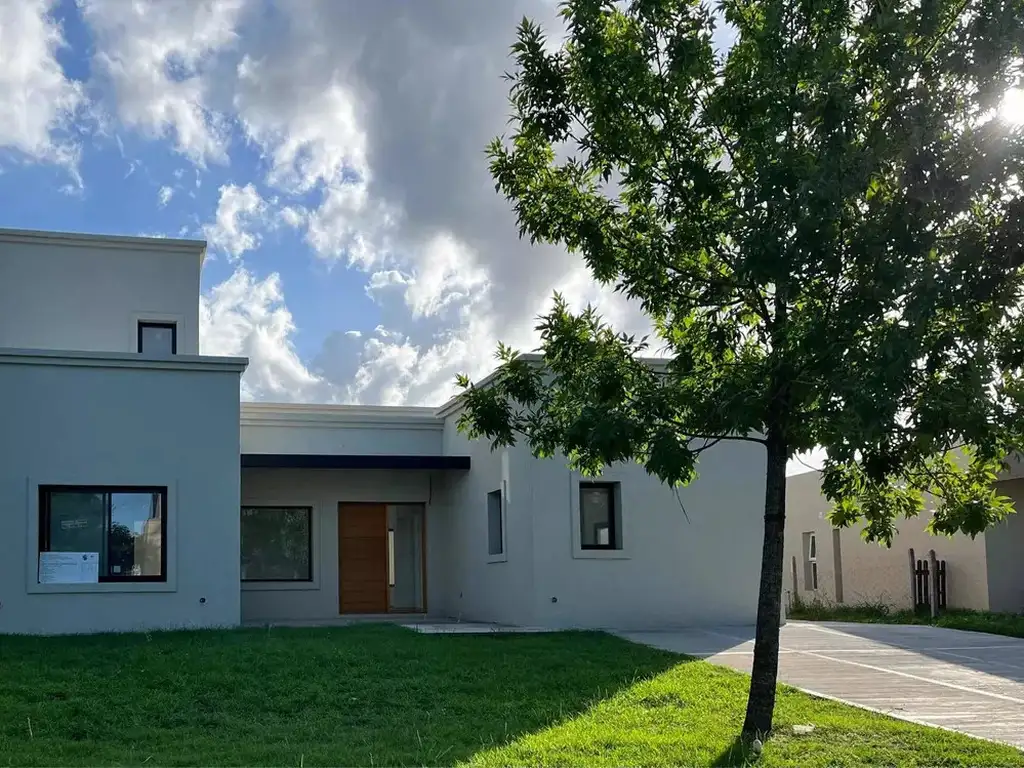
x=331 y=545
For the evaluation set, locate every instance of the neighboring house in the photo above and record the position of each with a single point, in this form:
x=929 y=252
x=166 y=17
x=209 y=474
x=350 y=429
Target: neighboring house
x=136 y=492
x=837 y=566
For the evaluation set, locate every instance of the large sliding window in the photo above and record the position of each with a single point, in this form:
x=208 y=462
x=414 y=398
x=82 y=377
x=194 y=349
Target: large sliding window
x=277 y=544
x=125 y=526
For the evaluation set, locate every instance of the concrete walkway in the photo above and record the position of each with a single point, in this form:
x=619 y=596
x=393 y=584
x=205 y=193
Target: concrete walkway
x=964 y=681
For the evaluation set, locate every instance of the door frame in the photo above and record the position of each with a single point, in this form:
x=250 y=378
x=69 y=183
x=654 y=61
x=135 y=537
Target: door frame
x=423 y=552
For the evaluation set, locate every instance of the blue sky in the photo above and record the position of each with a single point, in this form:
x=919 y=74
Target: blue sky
x=331 y=154
x=122 y=174
x=329 y=151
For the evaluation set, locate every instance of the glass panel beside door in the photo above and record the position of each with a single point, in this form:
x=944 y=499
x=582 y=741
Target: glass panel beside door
x=405 y=557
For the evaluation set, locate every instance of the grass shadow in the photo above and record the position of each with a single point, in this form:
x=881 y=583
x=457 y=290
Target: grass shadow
x=361 y=695
x=737 y=754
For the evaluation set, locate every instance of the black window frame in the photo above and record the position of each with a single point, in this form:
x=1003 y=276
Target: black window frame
x=613 y=529
x=309 y=541
x=45 y=492
x=143 y=324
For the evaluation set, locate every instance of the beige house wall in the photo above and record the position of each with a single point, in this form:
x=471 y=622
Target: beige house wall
x=1005 y=554
x=857 y=572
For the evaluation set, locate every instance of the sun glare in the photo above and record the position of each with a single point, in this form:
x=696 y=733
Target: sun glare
x=1012 y=108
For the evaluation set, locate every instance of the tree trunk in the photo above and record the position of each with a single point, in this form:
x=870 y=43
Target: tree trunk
x=761 y=700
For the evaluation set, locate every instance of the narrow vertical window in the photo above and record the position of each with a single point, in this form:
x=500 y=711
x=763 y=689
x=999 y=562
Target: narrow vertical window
x=495 y=527
x=810 y=541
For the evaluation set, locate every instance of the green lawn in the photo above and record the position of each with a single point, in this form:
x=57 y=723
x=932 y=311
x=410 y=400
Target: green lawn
x=1011 y=624
x=382 y=695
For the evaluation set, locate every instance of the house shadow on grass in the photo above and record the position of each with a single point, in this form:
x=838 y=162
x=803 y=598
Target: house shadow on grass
x=360 y=695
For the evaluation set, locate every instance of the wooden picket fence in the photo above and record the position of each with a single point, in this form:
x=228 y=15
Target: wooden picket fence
x=928 y=581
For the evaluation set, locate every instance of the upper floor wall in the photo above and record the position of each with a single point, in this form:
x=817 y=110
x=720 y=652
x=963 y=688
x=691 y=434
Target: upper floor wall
x=90 y=292
x=292 y=428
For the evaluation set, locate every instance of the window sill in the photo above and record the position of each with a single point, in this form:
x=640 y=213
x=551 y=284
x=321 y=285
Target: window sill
x=600 y=554
x=280 y=586
x=34 y=588
x=502 y=558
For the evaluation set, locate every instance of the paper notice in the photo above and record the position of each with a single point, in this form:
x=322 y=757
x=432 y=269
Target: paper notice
x=69 y=567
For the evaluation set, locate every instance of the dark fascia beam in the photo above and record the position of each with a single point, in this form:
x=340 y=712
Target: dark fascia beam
x=355 y=461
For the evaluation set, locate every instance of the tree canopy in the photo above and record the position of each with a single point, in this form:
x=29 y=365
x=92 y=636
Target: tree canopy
x=818 y=205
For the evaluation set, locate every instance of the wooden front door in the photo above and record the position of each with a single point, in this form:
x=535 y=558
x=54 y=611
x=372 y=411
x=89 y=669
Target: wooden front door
x=363 y=558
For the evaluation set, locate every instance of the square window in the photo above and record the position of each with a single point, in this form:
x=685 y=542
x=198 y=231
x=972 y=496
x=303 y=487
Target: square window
x=124 y=527
x=277 y=543
x=160 y=339
x=495 y=527
x=599 y=527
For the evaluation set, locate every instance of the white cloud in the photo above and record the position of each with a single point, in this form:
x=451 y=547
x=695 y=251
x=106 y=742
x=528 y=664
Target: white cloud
x=293 y=216
x=159 y=56
x=240 y=213
x=383 y=111
x=349 y=225
x=37 y=100
x=384 y=280
x=447 y=274
x=308 y=127
x=248 y=317
x=370 y=120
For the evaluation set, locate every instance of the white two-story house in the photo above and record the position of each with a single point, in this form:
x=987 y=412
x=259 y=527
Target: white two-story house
x=137 y=493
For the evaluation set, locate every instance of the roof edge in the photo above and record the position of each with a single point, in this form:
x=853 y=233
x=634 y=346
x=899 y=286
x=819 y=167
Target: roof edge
x=454 y=404
x=84 y=239
x=89 y=359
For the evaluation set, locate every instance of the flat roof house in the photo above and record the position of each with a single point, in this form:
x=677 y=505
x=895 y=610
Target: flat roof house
x=137 y=492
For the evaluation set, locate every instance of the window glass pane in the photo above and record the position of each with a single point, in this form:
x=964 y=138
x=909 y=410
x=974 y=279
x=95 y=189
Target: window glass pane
x=156 y=339
x=77 y=521
x=124 y=527
x=595 y=517
x=276 y=544
x=135 y=541
x=391 y=557
x=495 y=543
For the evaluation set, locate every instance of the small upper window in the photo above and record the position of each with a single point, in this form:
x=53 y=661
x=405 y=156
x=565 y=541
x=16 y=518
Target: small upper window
x=160 y=339
x=598 y=523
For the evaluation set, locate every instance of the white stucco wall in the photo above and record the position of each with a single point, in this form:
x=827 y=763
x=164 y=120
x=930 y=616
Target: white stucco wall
x=675 y=568
x=119 y=420
x=86 y=293
x=474 y=585
x=323 y=490
x=672 y=571
x=352 y=430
